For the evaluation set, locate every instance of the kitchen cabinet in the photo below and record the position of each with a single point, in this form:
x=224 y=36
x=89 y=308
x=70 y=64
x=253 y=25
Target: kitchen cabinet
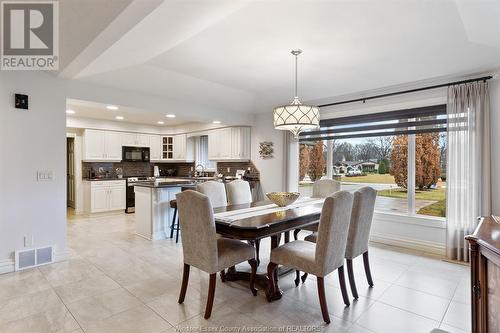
x=135 y=140
x=229 y=144
x=102 y=146
x=155 y=147
x=177 y=148
x=104 y=195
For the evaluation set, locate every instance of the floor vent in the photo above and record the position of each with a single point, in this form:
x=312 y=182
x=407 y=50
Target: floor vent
x=34 y=257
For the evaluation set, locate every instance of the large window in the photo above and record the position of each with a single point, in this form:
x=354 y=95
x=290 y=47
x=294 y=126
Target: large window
x=407 y=169
x=201 y=144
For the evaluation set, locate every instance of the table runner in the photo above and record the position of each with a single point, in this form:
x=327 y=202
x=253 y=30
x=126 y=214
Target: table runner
x=243 y=213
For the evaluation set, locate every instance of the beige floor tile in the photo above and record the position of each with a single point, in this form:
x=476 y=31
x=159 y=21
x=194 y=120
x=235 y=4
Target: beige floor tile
x=84 y=288
x=139 y=319
x=28 y=305
x=458 y=315
x=22 y=283
x=451 y=329
x=58 y=319
x=102 y=306
x=428 y=282
x=69 y=272
x=147 y=290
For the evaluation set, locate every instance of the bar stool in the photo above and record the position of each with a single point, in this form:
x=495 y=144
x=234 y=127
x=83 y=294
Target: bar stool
x=175 y=223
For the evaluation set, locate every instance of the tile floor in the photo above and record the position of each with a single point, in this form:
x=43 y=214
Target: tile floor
x=117 y=282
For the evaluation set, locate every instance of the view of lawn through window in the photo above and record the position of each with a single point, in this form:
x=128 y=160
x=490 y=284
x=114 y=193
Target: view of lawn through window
x=382 y=163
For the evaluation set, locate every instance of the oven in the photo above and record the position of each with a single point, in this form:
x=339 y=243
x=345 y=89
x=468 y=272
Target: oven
x=130 y=194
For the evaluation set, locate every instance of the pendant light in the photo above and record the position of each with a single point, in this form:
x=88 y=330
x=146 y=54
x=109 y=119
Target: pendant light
x=296 y=117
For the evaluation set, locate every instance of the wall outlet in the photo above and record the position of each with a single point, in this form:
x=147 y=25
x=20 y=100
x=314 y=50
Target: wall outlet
x=45 y=176
x=29 y=241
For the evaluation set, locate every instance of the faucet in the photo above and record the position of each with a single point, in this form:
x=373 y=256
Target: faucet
x=202 y=170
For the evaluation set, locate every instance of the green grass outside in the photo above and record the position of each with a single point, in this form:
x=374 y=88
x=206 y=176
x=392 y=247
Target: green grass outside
x=370 y=178
x=436 y=209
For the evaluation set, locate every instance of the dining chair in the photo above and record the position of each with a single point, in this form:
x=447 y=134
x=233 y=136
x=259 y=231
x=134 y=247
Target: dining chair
x=359 y=234
x=215 y=191
x=321 y=189
x=203 y=250
x=324 y=256
x=238 y=192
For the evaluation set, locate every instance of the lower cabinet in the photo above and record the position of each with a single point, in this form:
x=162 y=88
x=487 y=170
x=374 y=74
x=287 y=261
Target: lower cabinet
x=104 y=196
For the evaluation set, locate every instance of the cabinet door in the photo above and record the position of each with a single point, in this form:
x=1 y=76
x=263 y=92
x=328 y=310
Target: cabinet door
x=180 y=147
x=212 y=145
x=224 y=143
x=155 y=147
x=113 y=146
x=117 y=198
x=167 y=147
x=129 y=139
x=240 y=143
x=99 y=200
x=142 y=140
x=94 y=145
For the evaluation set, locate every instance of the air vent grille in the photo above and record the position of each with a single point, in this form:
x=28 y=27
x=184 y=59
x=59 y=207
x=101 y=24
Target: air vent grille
x=34 y=257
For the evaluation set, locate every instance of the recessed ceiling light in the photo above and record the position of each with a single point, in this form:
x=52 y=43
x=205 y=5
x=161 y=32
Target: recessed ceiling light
x=119 y=118
x=111 y=107
x=170 y=116
x=161 y=122
x=70 y=111
x=216 y=122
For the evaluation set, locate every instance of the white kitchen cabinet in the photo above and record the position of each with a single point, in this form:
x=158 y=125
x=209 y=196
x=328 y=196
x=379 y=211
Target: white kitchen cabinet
x=155 y=147
x=104 y=196
x=102 y=146
x=177 y=148
x=135 y=140
x=229 y=144
x=180 y=147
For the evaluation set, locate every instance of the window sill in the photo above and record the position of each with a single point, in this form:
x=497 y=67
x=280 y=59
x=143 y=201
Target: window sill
x=420 y=220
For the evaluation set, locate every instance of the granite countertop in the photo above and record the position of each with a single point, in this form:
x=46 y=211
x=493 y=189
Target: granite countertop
x=102 y=179
x=163 y=184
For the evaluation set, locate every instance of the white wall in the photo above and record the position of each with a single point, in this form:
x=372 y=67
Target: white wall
x=495 y=146
x=31 y=140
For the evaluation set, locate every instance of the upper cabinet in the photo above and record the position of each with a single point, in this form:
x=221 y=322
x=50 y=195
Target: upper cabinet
x=155 y=148
x=177 y=148
x=135 y=140
x=229 y=144
x=102 y=146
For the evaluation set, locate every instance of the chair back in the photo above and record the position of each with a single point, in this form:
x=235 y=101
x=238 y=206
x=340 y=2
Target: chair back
x=199 y=240
x=361 y=222
x=215 y=191
x=324 y=188
x=333 y=231
x=238 y=192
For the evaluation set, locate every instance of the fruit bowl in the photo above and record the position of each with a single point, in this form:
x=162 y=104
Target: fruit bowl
x=283 y=199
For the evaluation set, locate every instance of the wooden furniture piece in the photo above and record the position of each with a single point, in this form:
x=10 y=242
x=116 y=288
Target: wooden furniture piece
x=324 y=256
x=262 y=226
x=175 y=221
x=484 y=246
x=201 y=247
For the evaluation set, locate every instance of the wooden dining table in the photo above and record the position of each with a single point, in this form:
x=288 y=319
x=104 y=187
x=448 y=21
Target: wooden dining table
x=259 y=220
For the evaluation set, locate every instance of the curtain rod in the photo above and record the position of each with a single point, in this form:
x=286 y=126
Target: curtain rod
x=484 y=78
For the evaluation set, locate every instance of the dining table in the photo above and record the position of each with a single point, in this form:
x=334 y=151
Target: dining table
x=262 y=219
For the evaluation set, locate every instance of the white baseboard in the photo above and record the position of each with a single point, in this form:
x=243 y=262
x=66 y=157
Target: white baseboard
x=408 y=243
x=8 y=265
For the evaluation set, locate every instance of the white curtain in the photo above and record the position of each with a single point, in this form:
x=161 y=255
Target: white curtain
x=468 y=165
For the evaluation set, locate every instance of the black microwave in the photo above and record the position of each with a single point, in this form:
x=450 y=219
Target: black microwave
x=135 y=154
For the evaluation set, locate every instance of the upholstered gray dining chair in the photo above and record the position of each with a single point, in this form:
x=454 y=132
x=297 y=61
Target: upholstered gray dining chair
x=324 y=256
x=215 y=191
x=321 y=189
x=359 y=234
x=203 y=250
x=238 y=192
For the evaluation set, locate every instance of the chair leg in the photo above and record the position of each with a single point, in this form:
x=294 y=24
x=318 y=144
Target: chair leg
x=223 y=275
x=270 y=277
x=367 y=269
x=253 y=265
x=352 y=282
x=296 y=234
x=177 y=231
x=257 y=251
x=304 y=278
x=297 y=278
x=185 y=279
x=322 y=299
x=172 y=226
x=211 y=295
x=343 y=287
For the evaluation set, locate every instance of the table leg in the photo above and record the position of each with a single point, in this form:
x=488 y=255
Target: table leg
x=275 y=294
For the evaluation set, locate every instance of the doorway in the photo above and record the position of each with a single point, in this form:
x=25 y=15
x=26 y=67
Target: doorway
x=70 y=173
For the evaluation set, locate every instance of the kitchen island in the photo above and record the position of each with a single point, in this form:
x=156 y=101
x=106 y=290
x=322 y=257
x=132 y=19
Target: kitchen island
x=153 y=214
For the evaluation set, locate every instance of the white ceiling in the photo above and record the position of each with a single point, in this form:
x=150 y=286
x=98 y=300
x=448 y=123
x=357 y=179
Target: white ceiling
x=233 y=55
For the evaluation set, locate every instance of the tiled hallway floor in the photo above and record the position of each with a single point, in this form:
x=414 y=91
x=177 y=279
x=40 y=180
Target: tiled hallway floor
x=115 y=281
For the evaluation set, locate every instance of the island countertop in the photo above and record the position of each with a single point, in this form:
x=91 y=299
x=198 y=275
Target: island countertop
x=164 y=184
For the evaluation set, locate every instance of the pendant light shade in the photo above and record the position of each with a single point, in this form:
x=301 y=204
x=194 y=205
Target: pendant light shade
x=296 y=117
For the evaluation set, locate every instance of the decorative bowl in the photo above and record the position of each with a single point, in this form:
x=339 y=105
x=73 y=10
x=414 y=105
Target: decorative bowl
x=283 y=199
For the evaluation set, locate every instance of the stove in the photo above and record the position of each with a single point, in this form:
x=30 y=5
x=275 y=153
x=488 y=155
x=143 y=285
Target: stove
x=131 y=181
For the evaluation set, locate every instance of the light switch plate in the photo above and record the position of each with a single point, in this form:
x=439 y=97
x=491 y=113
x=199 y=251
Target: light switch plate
x=45 y=176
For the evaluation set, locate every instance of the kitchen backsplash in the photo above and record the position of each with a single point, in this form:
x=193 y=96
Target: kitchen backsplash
x=146 y=169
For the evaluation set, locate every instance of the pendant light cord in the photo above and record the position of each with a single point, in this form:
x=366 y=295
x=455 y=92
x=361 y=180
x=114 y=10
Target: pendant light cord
x=296 y=75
